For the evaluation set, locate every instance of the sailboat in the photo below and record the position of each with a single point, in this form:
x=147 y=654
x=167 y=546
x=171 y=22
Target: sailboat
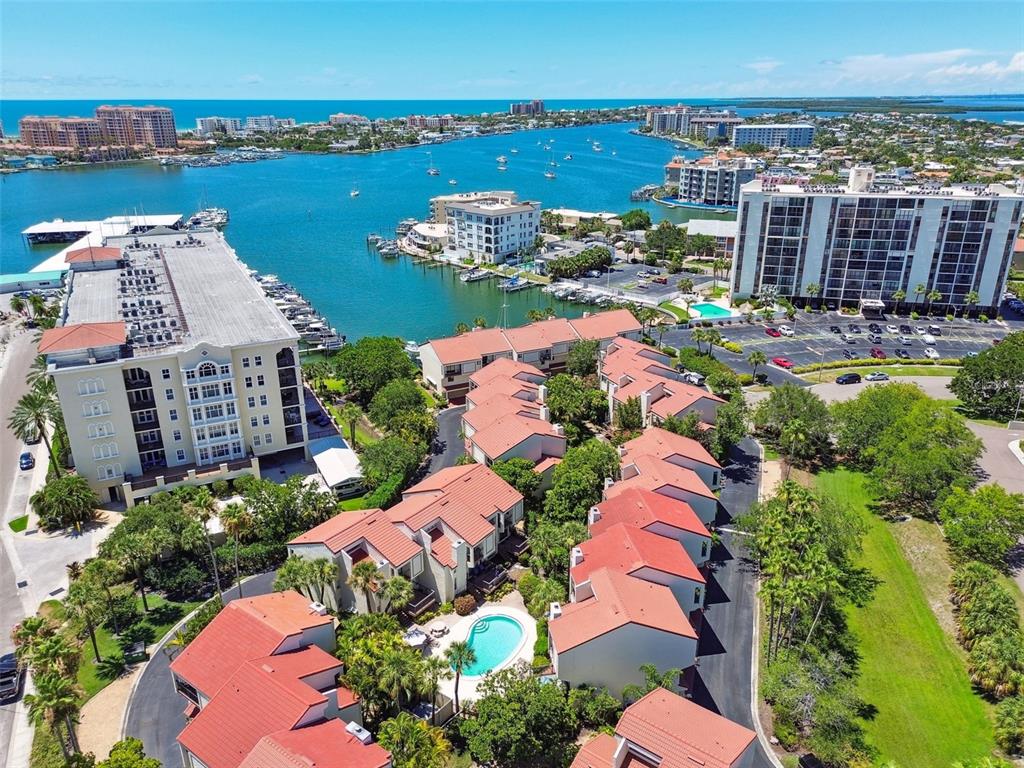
x=431 y=170
x=550 y=174
x=354 y=192
x=514 y=151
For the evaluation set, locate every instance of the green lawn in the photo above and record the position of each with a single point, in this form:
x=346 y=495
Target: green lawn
x=894 y=369
x=911 y=671
x=356 y=502
x=18 y=524
x=680 y=314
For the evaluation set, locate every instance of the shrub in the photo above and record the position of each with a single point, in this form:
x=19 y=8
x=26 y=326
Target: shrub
x=732 y=346
x=139 y=632
x=465 y=605
x=221 y=489
x=988 y=610
x=996 y=663
x=252 y=558
x=112 y=666
x=123 y=611
x=540 y=647
x=527 y=586
x=745 y=379
x=1010 y=725
x=692 y=360
x=983 y=317
x=206 y=613
x=182 y=581
x=864 y=362
x=245 y=484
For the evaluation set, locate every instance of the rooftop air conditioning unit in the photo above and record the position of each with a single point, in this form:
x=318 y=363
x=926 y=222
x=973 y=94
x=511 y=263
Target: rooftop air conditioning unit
x=359 y=732
x=318 y=609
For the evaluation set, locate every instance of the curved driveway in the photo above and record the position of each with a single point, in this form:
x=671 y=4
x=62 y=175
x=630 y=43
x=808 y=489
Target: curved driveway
x=156 y=712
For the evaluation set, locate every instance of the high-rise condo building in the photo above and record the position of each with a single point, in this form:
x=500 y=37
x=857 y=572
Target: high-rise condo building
x=669 y=120
x=171 y=365
x=708 y=181
x=864 y=243
x=774 y=136
x=529 y=108
x=137 y=126
x=71 y=132
x=438 y=204
x=268 y=123
x=492 y=228
x=206 y=126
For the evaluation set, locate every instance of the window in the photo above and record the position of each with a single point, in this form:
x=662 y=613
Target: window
x=210 y=390
x=165 y=374
x=696 y=596
x=266 y=420
x=176 y=434
x=253 y=421
x=190 y=375
x=256 y=440
x=207 y=369
x=181 y=454
x=258 y=360
x=169 y=393
x=251 y=402
x=263 y=400
x=197 y=414
x=260 y=381
x=229 y=388
x=268 y=438
x=193 y=393
x=225 y=370
x=248 y=382
x=714 y=478
x=245 y=362
x=204 y=454
x=173 y=413
x=704 y=548
x=214 y=411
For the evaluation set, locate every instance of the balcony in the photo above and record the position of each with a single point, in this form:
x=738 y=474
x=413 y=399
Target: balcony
x=422 y=601
x=141 y=404
x=201 y=400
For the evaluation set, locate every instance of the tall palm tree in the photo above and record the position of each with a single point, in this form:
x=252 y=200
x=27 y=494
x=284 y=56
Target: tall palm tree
x=294 y=574
x=435 y=669
x=37 y=304
x=36 y=371
x=104 y=573
x=54 y=653
x=712 y=337
x=698 y=335
x=323 y=573
x=414 y=744
x=55 y=704
x=970 y=300
x=899 y=296
x=933 y=296
x=461 y=328
x=459 y=655
x=65 y=501
x=85 y=603
x=396 y=593
x=29 y=418
x=17 y=305
x=237 y=521
x=136 y=550
x=364 y=577
x=27 y=632
x=756 y=359
x=350 y=414
x=202 y=508
x=919 y=290
x=480 y=322
x=401 y=674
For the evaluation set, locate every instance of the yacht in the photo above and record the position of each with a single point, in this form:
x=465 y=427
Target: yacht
x=431 y=170
x=474 y=274
x=502 y=167
x=549 y=174
x=502 y=159
x=453 y=182
x=354 y=193
x=210 y=217
x=567 y=157
x=514 y=151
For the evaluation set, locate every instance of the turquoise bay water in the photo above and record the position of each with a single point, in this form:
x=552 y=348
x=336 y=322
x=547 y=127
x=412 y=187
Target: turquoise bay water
x=493 y=638
x=294 y=217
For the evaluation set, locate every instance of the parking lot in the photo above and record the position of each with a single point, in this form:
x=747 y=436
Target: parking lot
x=625 y=278
x=813 y=341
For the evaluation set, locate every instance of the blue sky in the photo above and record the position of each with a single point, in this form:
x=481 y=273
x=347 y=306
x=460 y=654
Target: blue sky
x=479 y=49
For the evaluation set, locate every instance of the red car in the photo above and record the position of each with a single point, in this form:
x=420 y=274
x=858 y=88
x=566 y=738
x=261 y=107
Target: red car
x=877 y=353
x=782 y=362
x=773 y=332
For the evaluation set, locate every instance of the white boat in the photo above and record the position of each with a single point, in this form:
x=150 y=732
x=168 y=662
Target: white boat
x=431 y=170
x=547 y=146
x=514 y=151
x=210 y=217
x=354 y=193
x=567 y=157
x=453 y=182
x=474 y=274
x=502 y=159
x=549 y=175
x=502 y=167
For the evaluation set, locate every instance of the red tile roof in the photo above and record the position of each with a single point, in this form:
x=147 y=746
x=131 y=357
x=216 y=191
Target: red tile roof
x=526 y=391
x=82 y=336
x=324 y=745
x=683 y=734
x=92 y=253
x=627 y=549
x=679 y=396
x=485 y=413
x=655 y=474
x=605 y=325
x=506 y=368
x=546 y=463
x=661 y=443
x=246 y=629
x=263 y=697
x=462 y=497
x=371 y=525
x=540 y=335
x=469 y=346
x=441 y=549
x=505 y=433
x=618 y=600
x=599 y=752
x=643 y=508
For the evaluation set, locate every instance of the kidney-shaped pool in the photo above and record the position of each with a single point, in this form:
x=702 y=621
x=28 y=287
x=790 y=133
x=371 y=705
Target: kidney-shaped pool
x=494 y=639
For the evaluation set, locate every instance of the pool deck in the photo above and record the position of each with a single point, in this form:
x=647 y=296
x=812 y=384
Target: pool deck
x=510 y=605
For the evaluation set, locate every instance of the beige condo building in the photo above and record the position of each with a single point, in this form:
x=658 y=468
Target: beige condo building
x=172 y=367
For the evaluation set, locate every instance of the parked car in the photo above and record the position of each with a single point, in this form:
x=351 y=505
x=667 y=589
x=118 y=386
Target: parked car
x=934 y=330
x=928 y=339
x=874 y=338
x=593 y=273
x=877 y=376
x=848 y=378
x=834 y=329
x=26 y=460
x=892 y=329
x=970 y=354
x=773 y=332
x=849 y=354
x=906 y=329
x=877 y=353
x=931 y=353
x=854 y=328
x=919 y=330
x=782 y=362
x=660 y=280
x=785 y=330
x=875 y=328
x=902 y=354
x=691 y=377
x=848 y=338
x=906 y=341
x=11 y=677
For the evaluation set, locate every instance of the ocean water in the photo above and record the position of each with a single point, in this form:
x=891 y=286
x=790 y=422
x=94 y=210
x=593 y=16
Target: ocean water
x=294 y=217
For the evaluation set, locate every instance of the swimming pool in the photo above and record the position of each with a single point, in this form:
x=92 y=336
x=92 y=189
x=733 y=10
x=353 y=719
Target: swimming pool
x=494 y=639
x=710 y=311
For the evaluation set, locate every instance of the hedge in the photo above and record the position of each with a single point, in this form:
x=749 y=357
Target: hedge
x=872 y=361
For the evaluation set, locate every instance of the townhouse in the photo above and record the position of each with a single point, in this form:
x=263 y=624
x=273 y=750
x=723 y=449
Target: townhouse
x=630 y=369
x=663 y=730
x=653 y=474
x=260 y=683
x=442 y=533
x=615 y=623
x=448 y=363
x=675 y=449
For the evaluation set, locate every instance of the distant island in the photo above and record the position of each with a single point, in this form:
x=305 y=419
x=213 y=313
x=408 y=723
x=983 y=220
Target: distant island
x=879 y=104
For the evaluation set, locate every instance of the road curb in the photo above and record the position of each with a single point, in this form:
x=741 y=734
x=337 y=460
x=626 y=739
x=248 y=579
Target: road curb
x=755 y=659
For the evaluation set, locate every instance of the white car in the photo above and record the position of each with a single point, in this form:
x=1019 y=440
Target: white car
x=928 y=339
x=877 y=376
x=920 y=330
x=785 y=330
x=892 y=329
x=905 y=341
x=931 y=354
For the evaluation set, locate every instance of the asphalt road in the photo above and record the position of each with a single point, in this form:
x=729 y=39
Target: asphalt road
x=156 y=710
x=448 y=446
x=723 y=683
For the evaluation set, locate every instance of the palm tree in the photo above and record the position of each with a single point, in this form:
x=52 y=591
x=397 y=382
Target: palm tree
x=813 y=289
x=294 y=573
x=970 y=300
x=201 y=509
x=350 y=414
x=459 y=655
x=63 y=501
x=757 y=358
x=480 y=322
x=37 y=304
x=364 y=577
x=401 y=673
x=461 y=328
x=435 y=669
x=698 y=335
x=54 y=653
x=323 y=573
x=712 y=337
x=237 y=522
x=933 y=296
x=791 y=443
x=74 y=570
x=136 y=550
x=396 y=593
x=718 y=265
x=534 y=315
x=55 y=703
x=919 y=290
x=29 y=418
x=37 y=371
x=412 y=743
x=17 y=305
x=85 y=603
x=104 y=573
x=898 y=297
x=685 y=285
x=27 y=632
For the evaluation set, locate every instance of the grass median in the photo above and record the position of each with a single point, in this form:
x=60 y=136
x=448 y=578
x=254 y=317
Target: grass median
x=893 y=369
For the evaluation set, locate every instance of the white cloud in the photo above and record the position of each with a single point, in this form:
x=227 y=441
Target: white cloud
x=886 y=68
x=764 y=66
x=989 y=70
x=251 y=79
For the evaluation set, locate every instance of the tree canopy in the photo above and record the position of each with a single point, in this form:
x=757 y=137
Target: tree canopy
x=983 y=525
x=990 y=384
x=796 y=421
x=636 y=218
x=577 y=483
x=370 y=363
x=859 y=422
